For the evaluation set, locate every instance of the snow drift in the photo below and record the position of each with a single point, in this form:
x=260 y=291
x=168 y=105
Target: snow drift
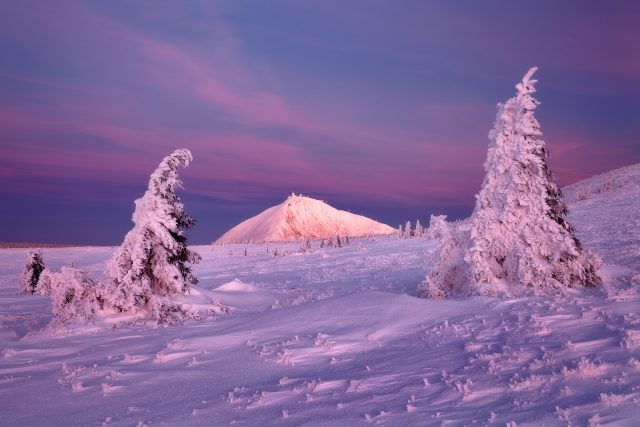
x=300 y=218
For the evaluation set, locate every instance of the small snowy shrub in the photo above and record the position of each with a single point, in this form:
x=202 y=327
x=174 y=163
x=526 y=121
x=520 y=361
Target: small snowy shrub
x=74 y=296
x=31 y=273
x=152 y=262
x=437 y=227
x=447 y=273
x=519 y=241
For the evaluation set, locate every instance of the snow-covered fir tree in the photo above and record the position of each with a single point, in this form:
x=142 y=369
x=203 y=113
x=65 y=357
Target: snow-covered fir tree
x=153 y=261
x=408 y=230
x=419 y=231
x=31 y=273
x=519 y=241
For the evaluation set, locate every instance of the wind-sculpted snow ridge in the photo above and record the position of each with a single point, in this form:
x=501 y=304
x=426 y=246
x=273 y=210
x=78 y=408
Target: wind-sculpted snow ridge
x=300 y=218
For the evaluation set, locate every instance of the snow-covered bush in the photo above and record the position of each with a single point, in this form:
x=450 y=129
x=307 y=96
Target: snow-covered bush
x=519 y=240
x=446 y=272
x=152 y=262
x=31 y=273
x=437 y=227
x=74 y=296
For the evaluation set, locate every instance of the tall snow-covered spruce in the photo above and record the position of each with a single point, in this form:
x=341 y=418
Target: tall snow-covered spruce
x=153 y=261
x=518 y=241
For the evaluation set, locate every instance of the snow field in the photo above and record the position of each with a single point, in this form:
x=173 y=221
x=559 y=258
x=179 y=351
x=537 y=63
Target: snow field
x=336 y=337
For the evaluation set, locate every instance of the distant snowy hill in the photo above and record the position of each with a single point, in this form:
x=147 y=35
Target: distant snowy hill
x=605 y=211
x=299 y=218
x=623 y=180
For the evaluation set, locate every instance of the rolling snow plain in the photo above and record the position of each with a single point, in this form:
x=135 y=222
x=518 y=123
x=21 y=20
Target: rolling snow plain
x=336 y=337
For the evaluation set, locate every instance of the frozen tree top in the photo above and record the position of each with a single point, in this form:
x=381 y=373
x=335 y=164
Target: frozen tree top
x=527 y=85
x=166 y=173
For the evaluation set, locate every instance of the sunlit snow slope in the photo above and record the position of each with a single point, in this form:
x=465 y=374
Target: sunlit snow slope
x=606 y=212
x=299 y=218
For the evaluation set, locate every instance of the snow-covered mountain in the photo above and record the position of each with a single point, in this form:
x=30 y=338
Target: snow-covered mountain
x=299 y=218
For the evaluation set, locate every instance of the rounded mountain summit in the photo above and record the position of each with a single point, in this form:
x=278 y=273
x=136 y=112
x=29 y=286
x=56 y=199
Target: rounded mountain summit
x=300 y=218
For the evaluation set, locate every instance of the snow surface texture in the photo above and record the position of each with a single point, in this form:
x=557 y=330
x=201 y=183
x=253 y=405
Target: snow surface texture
x=518 y=241
x=335 y=337
x=299 y=218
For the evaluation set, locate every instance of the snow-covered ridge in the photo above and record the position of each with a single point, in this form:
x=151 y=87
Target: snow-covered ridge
x=627 y=177
x=299 y=218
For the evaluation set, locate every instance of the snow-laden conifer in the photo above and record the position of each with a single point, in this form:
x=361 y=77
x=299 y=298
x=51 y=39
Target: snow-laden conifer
x=519 y=240
x=419 y=231
x=153 y=261
x=408 y=230
x=31 y=273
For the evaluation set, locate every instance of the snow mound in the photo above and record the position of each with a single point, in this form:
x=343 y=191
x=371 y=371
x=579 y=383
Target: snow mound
x=622 y=180
x=300 y=218
x=237 y=286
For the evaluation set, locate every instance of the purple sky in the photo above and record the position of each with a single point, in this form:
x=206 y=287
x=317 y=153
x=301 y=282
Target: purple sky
x=379 y=107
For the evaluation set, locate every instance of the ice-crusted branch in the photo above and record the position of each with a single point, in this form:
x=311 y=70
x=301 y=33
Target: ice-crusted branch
x=527 y=85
